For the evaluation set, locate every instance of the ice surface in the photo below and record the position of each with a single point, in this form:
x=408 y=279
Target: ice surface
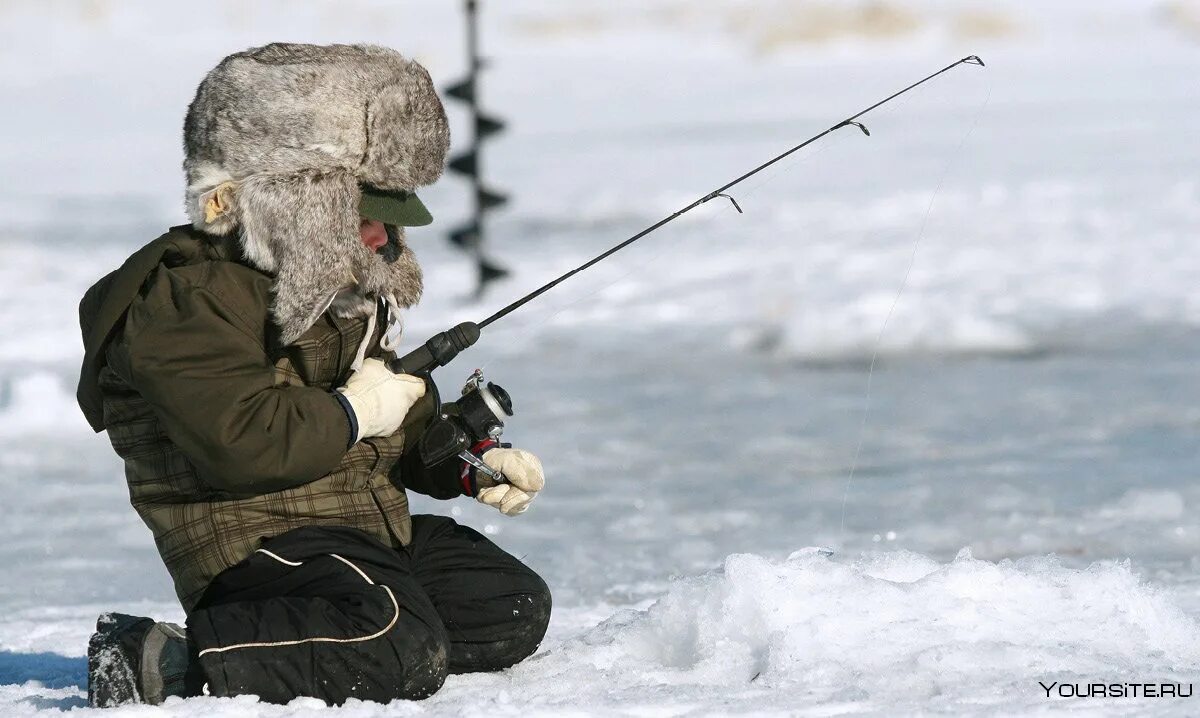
x=698 y=400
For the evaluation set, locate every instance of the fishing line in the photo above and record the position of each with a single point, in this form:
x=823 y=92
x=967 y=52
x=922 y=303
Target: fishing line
x=912 y=260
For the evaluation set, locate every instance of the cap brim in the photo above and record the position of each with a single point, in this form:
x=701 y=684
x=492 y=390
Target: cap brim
x=403 y=209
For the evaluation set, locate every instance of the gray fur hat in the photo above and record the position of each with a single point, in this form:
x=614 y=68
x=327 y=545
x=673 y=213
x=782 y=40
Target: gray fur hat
x=277 y=143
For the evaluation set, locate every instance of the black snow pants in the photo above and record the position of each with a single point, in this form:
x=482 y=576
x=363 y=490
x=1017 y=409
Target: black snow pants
x=331 y=613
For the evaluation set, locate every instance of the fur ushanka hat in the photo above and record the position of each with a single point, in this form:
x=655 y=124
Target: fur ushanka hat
x=278 y=142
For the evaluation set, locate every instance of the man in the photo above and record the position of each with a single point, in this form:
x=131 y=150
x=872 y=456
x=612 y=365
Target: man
x=237 y=364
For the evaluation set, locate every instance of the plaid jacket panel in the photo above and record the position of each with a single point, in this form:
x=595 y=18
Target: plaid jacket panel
x=200 y=531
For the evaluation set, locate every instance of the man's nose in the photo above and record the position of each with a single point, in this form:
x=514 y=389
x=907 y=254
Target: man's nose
x=374 y=237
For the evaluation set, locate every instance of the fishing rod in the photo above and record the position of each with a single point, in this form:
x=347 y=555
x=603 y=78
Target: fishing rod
x=482 y=408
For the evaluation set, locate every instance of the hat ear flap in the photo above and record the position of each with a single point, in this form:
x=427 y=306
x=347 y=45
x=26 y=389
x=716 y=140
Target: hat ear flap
x=303 y=227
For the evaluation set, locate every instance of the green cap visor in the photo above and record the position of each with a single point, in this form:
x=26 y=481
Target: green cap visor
x=399 y=208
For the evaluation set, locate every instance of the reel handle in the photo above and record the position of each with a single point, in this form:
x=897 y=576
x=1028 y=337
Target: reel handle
x=438 y=351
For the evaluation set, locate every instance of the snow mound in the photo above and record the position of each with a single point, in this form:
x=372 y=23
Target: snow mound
x=887 y=630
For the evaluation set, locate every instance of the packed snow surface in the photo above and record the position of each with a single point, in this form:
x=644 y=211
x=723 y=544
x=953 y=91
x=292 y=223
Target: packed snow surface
x=958 y=355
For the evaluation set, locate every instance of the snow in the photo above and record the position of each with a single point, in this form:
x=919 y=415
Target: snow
x=887 y=633
x=1023 y=507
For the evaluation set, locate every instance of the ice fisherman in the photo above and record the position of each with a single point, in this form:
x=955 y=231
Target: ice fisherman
x=237 y=364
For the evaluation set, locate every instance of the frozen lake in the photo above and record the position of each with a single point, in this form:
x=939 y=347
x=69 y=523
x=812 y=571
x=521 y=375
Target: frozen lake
x=1023 y=502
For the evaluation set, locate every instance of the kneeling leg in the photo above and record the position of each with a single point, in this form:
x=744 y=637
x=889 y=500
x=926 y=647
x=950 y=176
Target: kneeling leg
x=495 y=608
x=323 y=612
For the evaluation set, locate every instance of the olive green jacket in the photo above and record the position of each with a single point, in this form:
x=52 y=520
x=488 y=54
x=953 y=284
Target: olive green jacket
x=229 y=438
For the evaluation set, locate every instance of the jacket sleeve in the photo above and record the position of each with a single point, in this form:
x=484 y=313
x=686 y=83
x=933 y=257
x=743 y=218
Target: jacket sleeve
x=205 y=371
x=441 y=481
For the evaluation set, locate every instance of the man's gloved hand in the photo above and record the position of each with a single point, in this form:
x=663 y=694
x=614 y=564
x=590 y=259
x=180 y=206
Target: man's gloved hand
x=525 y=478
x=377 y=399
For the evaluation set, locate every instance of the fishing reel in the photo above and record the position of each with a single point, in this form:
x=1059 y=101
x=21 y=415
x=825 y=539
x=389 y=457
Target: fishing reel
x=480 y=415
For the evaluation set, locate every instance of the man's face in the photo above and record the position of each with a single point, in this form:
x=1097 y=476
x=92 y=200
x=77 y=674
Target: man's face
x=373 y=233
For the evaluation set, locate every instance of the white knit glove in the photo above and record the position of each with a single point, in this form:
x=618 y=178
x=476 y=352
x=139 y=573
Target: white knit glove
x=380 y=398
x=525 y=478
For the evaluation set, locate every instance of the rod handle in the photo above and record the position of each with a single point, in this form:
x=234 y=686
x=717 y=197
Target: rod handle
x=438 y=351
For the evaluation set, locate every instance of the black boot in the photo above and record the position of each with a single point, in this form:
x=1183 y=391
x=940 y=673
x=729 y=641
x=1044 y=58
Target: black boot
x=135 y=660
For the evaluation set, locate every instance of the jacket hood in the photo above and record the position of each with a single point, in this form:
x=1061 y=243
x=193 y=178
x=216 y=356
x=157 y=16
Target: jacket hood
x=103 y=307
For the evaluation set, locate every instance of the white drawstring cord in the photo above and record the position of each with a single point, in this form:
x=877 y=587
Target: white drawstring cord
x=361 y=354
x=390 y=341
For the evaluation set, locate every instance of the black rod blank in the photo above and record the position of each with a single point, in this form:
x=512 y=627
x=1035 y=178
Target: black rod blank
x=719 y=192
